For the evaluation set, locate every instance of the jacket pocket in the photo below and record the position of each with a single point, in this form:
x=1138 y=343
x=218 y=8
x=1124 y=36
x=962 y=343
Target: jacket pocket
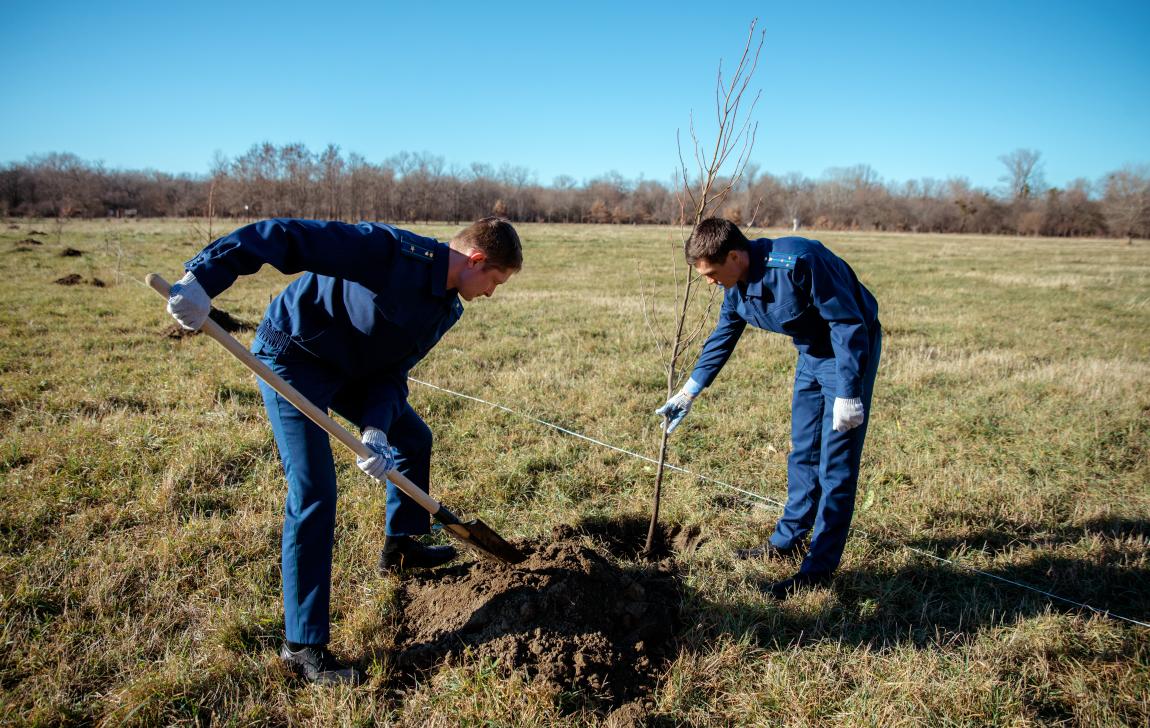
x=784 y=312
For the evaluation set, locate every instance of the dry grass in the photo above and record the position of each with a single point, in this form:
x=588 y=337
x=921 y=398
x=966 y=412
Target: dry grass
x=139 y=540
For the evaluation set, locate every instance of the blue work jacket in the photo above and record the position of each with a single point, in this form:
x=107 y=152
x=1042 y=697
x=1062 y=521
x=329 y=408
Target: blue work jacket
x=799 y=288
x=373 y=301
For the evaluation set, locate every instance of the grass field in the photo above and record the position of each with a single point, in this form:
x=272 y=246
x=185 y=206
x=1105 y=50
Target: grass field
x=142 y=496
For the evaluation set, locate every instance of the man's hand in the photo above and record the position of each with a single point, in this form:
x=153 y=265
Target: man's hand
x=189 y=303
x=675 y=409
x=848 y=414
x=384 y=459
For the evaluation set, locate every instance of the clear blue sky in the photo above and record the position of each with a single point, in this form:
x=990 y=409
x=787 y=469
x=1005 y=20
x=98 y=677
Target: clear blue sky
x=914 y=89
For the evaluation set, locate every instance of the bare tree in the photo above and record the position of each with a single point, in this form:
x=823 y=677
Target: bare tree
x=64 y=182
x=798 y=191
x=1071 y=211
x=1127 y=202
x=516 y=178
x=1023 y=173
x=332 y=165
x=734 y=139
x=359 y=173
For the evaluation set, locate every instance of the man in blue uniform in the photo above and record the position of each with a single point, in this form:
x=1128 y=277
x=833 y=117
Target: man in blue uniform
x=799 y=288
x=373 y=301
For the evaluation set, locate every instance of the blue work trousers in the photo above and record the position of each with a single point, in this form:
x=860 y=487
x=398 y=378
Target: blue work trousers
x=309 y=512
x=823 y=467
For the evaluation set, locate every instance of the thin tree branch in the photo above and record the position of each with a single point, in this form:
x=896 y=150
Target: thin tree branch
x=734 y=135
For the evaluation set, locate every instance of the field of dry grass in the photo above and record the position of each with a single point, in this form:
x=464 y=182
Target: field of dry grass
x=139 y=539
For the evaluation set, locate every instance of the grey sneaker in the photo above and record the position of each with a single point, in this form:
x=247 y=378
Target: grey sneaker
x=316 y=664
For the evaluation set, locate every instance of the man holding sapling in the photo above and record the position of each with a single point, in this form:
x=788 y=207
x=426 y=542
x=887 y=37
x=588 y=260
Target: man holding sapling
x=799 y=288
x=373 y=302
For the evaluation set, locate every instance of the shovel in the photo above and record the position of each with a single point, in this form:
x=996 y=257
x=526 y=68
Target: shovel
x=476 y=533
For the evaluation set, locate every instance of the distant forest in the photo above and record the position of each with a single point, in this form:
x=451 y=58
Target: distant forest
x=291 y=180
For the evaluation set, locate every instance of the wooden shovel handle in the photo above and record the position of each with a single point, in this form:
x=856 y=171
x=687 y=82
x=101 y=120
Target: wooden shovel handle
x=291 y=394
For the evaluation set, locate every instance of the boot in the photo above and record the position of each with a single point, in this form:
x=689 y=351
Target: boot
x=316 y=665
x=401 y=553
x=768 y=551
x=790 y=586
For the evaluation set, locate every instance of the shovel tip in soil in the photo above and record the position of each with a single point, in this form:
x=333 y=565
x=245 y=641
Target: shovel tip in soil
x=481 y=537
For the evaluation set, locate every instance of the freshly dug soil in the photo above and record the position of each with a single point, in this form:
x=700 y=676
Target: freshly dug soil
x=567 y=616
x=72 y=279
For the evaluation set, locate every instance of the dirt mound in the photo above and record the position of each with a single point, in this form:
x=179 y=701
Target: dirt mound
x=29 y=242
x=567 y=616
x=71 y=253
x=223 y=318
x=75 y=279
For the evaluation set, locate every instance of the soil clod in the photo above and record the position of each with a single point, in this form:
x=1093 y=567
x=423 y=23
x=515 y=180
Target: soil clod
x=72 y=279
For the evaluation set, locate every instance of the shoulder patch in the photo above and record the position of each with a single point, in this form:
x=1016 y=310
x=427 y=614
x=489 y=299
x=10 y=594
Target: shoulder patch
x=418 y=248
x=782 y=260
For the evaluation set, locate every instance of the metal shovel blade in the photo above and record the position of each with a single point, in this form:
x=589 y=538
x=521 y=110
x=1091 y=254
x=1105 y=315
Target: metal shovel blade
x=481 y=537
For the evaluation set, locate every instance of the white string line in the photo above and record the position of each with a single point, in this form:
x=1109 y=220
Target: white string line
x=1096 y=610
x=778 y=505
x=600 y=442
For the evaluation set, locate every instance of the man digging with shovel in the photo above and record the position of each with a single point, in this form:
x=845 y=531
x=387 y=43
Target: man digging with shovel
x=799 y=288
x=373 y=302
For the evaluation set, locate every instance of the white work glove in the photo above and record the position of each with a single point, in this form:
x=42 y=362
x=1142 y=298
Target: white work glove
x=675 y=409
x=848 y=414
x=189 y=303
x=384 y=459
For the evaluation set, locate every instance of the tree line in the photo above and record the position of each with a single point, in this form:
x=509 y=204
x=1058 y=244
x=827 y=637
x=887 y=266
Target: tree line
x=291 y=180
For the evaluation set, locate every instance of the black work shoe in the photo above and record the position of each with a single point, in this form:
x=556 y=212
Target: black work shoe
x=791 y=585
x=767 y=551
x=316 y=665
x=401 y=553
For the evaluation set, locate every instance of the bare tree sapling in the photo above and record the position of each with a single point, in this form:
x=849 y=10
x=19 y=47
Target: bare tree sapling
x=702 y=195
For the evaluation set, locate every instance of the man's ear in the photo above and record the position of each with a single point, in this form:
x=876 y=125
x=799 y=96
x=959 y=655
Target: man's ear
x=476 y=258
x=732 y=255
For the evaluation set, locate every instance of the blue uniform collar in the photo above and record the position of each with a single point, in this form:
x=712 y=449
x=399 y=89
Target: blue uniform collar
x=439 y=269
x=757 y=251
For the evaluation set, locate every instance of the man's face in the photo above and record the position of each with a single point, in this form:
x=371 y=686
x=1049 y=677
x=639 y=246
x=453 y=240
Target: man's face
x=725 y=274
x=480 y=279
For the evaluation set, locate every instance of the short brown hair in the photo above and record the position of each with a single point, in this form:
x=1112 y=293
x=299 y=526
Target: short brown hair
x=495 y=238
x=712 y=239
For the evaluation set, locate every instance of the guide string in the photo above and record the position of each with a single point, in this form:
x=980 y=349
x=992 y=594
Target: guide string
x=760 y=501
